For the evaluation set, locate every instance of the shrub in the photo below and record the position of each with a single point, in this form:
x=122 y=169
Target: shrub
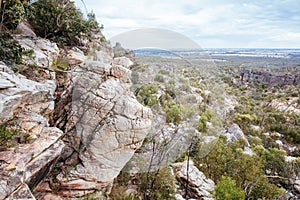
x=202 y=124
x=226 y=189
x=6 y=136
x=247 y=171
x=61 y=22
x=159 y=78
x=12 y=12
x=173 y=112
x=159 y=184
x=10 y=49
x=147 y=95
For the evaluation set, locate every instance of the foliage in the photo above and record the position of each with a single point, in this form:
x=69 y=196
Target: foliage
x=173 y=112
x=159 y=184
x=10 y=49
x=266 y=190
x=12 y=12
x=230 y=160
x=244 y=120
x=147 y=94
x=226 y=189
x=153 y=185
x=202 y=124
x=60 y=64
x=6 y=136
x=159 y=78
x=274 y=162
x=60 y=21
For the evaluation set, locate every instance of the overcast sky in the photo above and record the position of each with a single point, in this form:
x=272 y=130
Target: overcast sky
x=210 y=23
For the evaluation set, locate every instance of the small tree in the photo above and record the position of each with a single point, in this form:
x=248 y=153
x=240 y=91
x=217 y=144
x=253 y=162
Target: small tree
x=10 y=49
x=61 y=21
x=227 y=189
x=12 y=12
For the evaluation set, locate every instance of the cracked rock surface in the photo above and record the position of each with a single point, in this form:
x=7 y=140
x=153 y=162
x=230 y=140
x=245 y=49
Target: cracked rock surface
x=110 y=124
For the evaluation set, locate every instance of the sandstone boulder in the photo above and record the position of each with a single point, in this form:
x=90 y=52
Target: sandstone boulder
x=110 y=125
x=45 y=51
x=26 y=165
x=235 y=133
x=17 y=92
x=199 y=186
x=75 y=56
x=124 y=61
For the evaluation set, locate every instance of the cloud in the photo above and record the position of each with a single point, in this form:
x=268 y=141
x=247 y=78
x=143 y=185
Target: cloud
x=211 y=23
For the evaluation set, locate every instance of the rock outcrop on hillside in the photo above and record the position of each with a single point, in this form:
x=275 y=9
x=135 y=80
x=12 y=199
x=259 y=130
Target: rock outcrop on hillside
x=269 y=78
x=110 y=126
x=27 y=104
x=119 y=51
x=83 y=128
x=193 y=184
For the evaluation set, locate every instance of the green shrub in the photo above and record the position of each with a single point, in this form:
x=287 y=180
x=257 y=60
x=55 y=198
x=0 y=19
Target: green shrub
x=226 y=189
x=147 y=95
x=10 y=49
x=247 y=171
x=12 y=12
x=61 y=21
x=159 y=78
x=173 y=112
x=202 y=124
x=6 y=136
x=159 y=184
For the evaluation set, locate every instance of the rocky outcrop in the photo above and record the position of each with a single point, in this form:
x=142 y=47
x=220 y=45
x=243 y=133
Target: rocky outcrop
x=119 y=51
x=27 y=103
x=235 y=133
x=124 y=61
x=83 y=119
x=19 y=93
x=109 y=126
x=198 y=187
x=269 y=78
x=44 y=51
x=291 y=105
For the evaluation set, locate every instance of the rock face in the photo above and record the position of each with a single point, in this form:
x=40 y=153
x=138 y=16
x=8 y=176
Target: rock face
x=119 y=51
x=83 y=120
x=235 y=133
x=199 y=186
x=269 y=78
x=291 y=105
x=124 y=61
x=45 y=51
x=110 y=126
x=27 y=103
x=18 y=92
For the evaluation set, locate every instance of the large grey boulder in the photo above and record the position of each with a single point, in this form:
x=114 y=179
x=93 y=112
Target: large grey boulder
x=19 y=93
x=27 y=103
x=235 y=133
x=25 y=29
x=110 y=125
x=124 y=61
x=75 y=56
x=199 y=186
x=24 y=166
x=45 y=51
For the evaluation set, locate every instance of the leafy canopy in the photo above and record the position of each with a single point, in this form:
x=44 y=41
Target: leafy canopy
x=61 y=21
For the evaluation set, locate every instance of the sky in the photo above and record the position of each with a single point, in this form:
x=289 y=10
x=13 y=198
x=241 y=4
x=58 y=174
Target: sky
x=210 y=23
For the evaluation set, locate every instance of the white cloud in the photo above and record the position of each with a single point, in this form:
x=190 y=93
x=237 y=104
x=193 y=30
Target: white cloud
x=231 y=23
